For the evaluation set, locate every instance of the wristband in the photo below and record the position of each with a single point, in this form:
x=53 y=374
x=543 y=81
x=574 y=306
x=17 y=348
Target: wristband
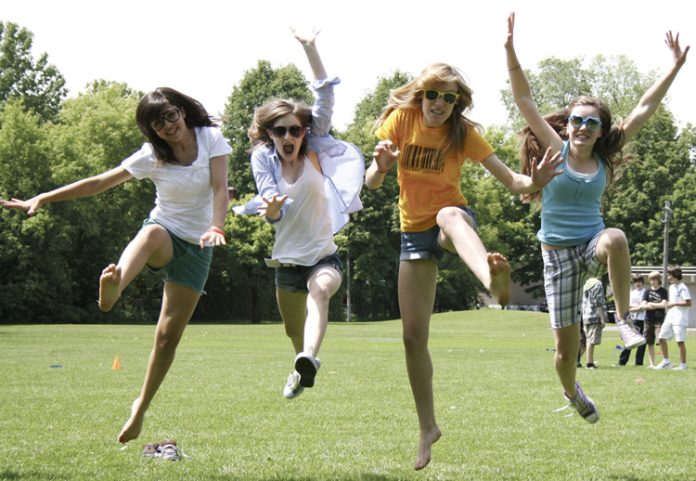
x=216 y=229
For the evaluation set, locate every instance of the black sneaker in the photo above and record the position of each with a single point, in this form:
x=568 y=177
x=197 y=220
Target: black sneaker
x=591 y=365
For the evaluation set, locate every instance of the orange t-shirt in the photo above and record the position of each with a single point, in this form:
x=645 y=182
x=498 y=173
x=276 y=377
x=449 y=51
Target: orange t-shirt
x=428 y=179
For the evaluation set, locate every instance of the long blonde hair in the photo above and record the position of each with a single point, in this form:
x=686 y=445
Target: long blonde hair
x=410 y=96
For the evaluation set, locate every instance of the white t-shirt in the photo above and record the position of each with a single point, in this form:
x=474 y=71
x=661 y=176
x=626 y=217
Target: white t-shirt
x=636 y=299
x=678 y=315
x=184 y=201
x=304 y=234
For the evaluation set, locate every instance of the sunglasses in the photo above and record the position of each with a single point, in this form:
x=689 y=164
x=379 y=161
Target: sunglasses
x=577 y=121
x=171 y=116
x=448 y=97
x=280 y=131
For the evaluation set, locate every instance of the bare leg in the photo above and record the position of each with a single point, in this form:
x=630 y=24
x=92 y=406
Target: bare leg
x=293 y=309
x=178 y=304
x=651 y=354
x=612 y=250
x=664 y=348
x=322 y=284
x=590 y=353
x=458 y=235
x=417 y=280
x=151 y=245
x=682 y=351
x=567 y=341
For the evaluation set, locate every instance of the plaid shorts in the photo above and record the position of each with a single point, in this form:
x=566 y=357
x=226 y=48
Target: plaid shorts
x=565 y=272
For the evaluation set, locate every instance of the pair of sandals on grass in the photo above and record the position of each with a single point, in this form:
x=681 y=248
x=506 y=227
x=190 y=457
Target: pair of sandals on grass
x=166 y=449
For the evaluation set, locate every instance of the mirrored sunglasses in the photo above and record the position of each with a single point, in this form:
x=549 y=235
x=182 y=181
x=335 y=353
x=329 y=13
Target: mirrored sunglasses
x=280 y=131
x=448 y=97
x=171 y=116
x=577 y=121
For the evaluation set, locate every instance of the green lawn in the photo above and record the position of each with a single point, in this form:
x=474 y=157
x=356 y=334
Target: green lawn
x=495 y=393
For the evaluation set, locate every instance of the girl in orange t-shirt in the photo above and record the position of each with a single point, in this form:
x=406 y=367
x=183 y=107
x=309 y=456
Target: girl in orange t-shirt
x=425 y=131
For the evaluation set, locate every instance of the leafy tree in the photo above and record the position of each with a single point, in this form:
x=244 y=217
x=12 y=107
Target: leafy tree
x=38 y=83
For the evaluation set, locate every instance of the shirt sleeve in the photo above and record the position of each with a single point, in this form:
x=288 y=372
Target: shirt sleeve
x=476 y=147
x=141 y=163
x=388 y=129
x=262 y=168
x=218 y=144
x=322 y=110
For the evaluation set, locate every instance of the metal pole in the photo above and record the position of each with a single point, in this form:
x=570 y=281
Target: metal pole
x=348 y=313
x=666 y=216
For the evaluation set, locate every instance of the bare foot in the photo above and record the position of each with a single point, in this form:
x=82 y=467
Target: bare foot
x=500 y=278
x=427 y=439
x=109 y=287
x=133 y=426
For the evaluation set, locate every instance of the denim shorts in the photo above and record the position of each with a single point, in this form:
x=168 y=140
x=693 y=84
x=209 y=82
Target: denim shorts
x=424 y=244
x=295 y=278
x=189 y=265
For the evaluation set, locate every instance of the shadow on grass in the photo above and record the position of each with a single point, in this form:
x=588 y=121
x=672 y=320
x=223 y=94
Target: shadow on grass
x=9 y=475
x=363 y=477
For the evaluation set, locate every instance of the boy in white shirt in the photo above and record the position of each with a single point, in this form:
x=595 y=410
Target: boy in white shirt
x=677 y=318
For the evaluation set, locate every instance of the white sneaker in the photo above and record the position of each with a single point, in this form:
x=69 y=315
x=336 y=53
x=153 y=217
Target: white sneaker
x=307 y=366
x=664 y=365
x=629 y=335
x=680 y=367
x=293 y=389
x=584 y=405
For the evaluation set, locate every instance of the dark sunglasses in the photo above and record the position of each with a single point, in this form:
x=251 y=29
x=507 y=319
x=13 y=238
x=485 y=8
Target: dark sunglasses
x=448 y=97
x=171 y=116
x=577 y=121
x=280 y=131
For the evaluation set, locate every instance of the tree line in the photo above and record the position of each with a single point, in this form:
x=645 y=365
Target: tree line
x=51 y=262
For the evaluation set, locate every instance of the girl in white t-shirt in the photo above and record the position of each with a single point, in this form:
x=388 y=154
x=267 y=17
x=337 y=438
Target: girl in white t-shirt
x=186 y=159
x=308 y=182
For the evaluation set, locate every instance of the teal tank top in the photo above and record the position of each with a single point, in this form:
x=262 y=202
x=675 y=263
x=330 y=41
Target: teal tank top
x=571 y=205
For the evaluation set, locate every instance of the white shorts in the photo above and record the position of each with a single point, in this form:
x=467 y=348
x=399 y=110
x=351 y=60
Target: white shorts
x=669 y=331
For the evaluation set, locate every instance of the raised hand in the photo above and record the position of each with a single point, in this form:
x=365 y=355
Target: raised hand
x=304 y=37
x=547 y=169
x=385 y=155
x=271 y=207
x=672 y=42
x=511 y=29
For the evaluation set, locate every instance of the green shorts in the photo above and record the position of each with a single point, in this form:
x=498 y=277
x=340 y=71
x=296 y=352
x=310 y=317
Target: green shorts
x=189 y=265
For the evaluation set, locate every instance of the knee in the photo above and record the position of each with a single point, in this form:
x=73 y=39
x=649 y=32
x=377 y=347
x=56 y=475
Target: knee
x=154 y=235
x=616 y=241
x=167 y=340
x=449 y=215
x=321 y=294
x=414 y=341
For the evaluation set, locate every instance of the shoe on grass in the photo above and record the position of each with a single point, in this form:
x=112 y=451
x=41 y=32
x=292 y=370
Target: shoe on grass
x=680 y=367
x=583 y=405
x=664 y=364
x=169 y=451
x=591 y=365
x=293 y=388
x=151 y=451
x=307 y=365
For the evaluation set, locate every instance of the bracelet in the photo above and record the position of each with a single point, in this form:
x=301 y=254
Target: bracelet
x=514 y=68
x=383 y=171
x=216 y=229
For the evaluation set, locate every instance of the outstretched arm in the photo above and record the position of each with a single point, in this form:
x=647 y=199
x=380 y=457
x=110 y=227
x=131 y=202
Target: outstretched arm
x=522 y=94
x=542 y=173
x=215 y=235
x=82 y=188
x=308 y=44
x=384 y=157
x=654 y=95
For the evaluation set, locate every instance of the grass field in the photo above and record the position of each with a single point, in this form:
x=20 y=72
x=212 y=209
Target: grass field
x=495 y=393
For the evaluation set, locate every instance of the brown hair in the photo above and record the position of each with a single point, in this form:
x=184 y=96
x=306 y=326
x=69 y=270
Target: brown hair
x=608 y=147
x=152 y=105
x=266 y=116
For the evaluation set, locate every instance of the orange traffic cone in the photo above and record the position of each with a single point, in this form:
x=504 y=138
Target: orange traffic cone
x=116 y=365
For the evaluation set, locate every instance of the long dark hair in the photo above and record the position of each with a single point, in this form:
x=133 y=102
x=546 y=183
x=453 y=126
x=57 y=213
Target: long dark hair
x=608 y=147
x=266 y=116
x=151 y=107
